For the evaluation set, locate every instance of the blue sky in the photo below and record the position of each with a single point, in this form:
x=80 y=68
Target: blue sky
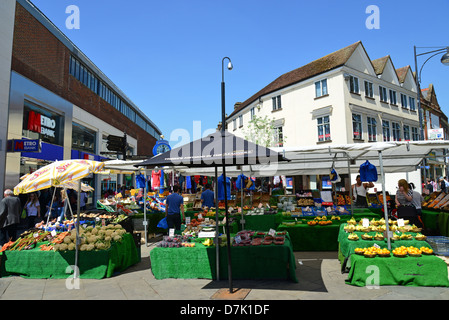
x=166 y=55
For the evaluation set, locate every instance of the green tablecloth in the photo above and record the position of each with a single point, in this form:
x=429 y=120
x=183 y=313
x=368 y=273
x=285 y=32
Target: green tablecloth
x=346 y=246
x=312 y=238
x=409 y=271
x=430 y=219
x=38 y=264
x=320 y=238
x=443 y=223
x=248 y=262
x=262 y=222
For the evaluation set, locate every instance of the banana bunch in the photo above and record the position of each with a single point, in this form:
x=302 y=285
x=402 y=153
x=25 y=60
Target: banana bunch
x=208 y=242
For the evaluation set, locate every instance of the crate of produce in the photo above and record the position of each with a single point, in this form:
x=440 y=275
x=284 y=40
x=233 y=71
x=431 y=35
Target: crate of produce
x=319 y=212
x=307 y=212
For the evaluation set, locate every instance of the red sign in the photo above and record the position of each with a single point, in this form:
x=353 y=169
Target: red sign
x=34 y=121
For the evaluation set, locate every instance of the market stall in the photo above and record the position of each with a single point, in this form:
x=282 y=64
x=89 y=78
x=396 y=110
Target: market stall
x=251 y=258
x=100 y=256
x=65 y=240
x=425 y=270
x=220 y=149
x=410 y=261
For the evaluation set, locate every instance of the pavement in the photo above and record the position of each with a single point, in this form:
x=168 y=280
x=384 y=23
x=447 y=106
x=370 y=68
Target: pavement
x=319 y=275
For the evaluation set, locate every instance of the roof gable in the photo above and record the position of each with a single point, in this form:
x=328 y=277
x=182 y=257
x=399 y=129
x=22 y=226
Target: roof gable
x=379 y=64
x=360 y=61
x=321 y=65
x=388 y=71
x=406 y=78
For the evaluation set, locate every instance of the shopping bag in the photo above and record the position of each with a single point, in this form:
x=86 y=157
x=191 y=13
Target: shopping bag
x=163 y=224
x=24 y=213
x=334 y=176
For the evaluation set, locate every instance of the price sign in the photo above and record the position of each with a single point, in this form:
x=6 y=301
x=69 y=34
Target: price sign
x=400 y=222
x=237 y=239
x=365 y=222
x=272 y=232
x=171 y=233
x=200 y=216
x=187 y=220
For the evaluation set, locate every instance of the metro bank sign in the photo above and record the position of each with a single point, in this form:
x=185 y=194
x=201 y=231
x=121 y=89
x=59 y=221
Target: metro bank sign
x=41 y=124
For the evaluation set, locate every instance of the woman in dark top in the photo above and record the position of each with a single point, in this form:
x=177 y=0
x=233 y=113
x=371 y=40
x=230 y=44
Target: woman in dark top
x=404 y=197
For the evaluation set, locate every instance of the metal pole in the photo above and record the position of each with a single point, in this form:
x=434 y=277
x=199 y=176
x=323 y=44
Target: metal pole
x=382 y=174
x=217 y=247
x=350 y=184
x=77 y=228
x=223 y=131
x=145 y=222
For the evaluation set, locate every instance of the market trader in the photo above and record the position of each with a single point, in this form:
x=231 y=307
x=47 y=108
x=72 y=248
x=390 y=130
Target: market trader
x=207 y=197
x=359 y=192
x=10 y=211
x=174 y=205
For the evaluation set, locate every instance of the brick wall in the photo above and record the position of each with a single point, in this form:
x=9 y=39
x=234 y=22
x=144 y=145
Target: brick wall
x=41 y=57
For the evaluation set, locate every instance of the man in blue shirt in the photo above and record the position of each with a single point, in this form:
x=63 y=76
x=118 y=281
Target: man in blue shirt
x=174 y=205
x=207 y=197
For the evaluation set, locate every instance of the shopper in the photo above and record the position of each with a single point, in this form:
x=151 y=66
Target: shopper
x=442 y=184
x=359 y=192
x=10 y=211
x=417 y=202
x=33 y=209
x=174 y=205
x=428 y=186
x=207 y=197
x=83 y=200
x=404 y=197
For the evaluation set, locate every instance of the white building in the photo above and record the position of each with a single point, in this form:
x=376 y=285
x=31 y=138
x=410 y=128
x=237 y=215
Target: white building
x=344 y=97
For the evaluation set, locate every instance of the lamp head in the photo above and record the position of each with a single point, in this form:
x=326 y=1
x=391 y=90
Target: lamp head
x=445 y=58
x=230 y=65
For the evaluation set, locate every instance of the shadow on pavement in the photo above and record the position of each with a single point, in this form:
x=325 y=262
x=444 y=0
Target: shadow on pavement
x=308 y=273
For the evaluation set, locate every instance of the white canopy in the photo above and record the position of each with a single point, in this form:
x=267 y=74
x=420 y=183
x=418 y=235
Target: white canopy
x=397 y=156
x=121 y=166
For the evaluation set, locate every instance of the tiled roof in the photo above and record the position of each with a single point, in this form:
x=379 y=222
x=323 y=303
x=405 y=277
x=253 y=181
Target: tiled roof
x=402 y=73
x=379 y=64
x=321 y=65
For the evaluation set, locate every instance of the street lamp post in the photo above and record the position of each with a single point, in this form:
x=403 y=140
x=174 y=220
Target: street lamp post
x=223 y=130
x=445 y=61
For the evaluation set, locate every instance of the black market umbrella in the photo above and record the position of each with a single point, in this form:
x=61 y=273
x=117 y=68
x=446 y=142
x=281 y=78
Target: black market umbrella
x=219 y=149
x=216 y=149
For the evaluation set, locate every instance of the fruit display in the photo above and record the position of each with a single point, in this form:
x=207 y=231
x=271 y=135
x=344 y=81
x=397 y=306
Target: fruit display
x=373 y=200
x=208 y=242
x=426 y=250
x=379 y=236
x=352 y=221
x=353 y=236
x=99 y=238
x=340 y=200
x=252 y=238
x=413 y=252
x=400 y=252
x=91 y=238
x=305 y=202
x=420 y=236
x=367 y=237
x=312 y=223
x=325 y=222
x=176 y=242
